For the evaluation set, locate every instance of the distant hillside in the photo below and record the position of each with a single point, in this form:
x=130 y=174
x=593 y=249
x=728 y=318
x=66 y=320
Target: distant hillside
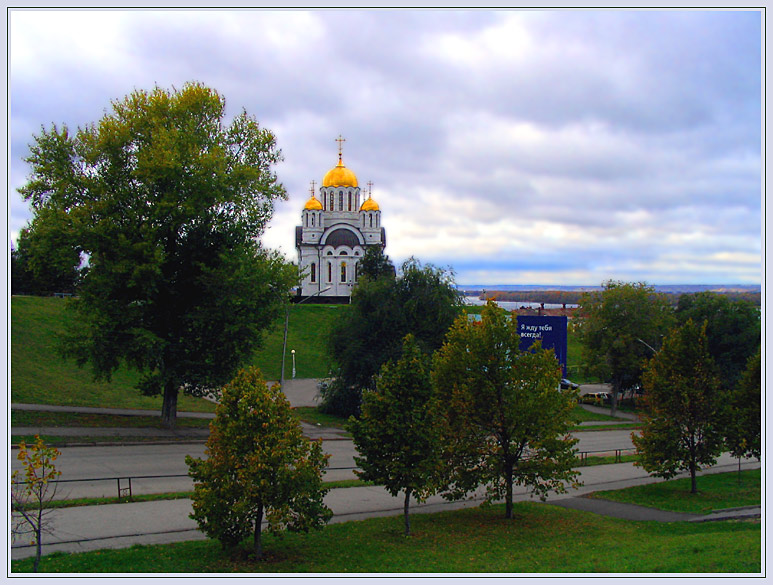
x=667 y=288
x=572 y=297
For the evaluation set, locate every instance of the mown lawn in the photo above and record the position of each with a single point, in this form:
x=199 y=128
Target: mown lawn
x=716 y=491
x=40 y=376
x=540 y=539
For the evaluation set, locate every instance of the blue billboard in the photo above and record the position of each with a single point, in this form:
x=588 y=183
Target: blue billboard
x=550 y=330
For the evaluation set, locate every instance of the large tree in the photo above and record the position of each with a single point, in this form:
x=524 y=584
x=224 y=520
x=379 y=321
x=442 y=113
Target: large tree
x=258 y=466
x=682 y=427
x=620 y=328
x=733 y=330
x=167 y=202
x=421 y=299
x=503 y=419
x=395 y=434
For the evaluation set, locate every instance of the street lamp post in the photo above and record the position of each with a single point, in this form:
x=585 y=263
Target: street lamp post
x=292 y=351
x=284 y=342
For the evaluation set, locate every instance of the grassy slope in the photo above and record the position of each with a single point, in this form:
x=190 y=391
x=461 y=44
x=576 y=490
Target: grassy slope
x=540 y=539
x=39 y=375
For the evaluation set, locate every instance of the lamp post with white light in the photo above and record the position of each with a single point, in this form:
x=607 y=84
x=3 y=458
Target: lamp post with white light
x=284 y=343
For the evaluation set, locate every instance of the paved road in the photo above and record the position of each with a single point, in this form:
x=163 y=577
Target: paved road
x=138 y=461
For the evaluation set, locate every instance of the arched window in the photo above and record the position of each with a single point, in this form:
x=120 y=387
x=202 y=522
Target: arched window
x=313 y=272
x=371 y=220
x=350 y=201
x=312 y=220
x=330 y=272
x=343 y=271
x=340 y=201
x=344 y=253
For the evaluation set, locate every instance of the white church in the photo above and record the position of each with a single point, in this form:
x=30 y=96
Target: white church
x=334 y=233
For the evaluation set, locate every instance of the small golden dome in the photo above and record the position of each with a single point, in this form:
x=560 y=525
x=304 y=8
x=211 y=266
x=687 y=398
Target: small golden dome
x=313 y=204
x=369 y=205
x=339 y=176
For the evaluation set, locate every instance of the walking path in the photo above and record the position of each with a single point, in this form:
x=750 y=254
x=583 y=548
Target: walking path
x=121 y=525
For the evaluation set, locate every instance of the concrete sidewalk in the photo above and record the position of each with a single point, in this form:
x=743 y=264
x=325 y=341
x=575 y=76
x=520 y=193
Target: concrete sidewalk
x=122 y=525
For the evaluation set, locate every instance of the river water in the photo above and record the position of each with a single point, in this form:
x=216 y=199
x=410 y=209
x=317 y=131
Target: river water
x=512 y=305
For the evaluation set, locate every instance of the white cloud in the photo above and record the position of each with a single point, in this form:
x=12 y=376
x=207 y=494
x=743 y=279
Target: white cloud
x=520 y=147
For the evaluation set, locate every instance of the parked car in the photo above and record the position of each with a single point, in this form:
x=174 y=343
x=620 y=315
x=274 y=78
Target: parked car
x=568 y=385
x=597 y=398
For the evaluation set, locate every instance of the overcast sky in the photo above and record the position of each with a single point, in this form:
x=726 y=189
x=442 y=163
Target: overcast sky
x=539 y=147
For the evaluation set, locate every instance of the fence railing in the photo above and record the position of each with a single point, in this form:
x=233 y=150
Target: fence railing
x=124 y=487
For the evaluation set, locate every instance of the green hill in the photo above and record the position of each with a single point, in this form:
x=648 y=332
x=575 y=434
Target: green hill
x=40 y=375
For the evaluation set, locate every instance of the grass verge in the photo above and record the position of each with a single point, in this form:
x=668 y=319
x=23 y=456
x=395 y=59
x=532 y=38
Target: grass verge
x=36 y=418
x=80 y=502
x=716 y=491
x=539 y=539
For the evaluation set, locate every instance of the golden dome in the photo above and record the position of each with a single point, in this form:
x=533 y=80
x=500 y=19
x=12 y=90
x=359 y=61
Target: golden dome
x=313 y=204
x=369 y=205
x=339 y=176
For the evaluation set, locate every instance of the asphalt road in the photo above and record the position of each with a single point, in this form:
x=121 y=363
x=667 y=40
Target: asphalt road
x=105 y=464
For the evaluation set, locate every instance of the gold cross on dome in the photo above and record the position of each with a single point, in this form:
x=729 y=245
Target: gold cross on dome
x=370 y=187
x=340 y=140
x=312 y=190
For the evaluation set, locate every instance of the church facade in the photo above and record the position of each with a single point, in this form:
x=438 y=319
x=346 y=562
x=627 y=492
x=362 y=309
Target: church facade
x=335 y=231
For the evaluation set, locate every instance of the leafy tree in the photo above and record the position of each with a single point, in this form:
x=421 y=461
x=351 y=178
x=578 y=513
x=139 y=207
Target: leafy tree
x=733 y=330
x=421 y=300
x=47 y=259
x=259 y=465
x=375 y=264
x=504 y=421
x=168 y=203
x=33 y=487
x=21 y=276
x=620 y=328
x=395 y=433
x=744 y=415
x=682 y=427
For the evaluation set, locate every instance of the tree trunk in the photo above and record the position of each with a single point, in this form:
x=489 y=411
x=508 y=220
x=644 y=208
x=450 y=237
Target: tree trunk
x=693 y=479
x=406 y=516
x=258 y=545
x=615 y=388
x=169 y=407
x=38 y=530
x=509 y=490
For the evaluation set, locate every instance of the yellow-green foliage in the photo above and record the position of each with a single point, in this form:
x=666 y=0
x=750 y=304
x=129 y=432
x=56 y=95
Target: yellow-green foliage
x=258 y=465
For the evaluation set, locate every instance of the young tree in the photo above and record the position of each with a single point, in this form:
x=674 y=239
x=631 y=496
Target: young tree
x=682 y=427
x=32 y=488
x=396 y=434
x=259 y=465
x=422 y=300
x=744 y=413
x=168 y=204
x=620 y=328
x=733 y=330
x=504 y=421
